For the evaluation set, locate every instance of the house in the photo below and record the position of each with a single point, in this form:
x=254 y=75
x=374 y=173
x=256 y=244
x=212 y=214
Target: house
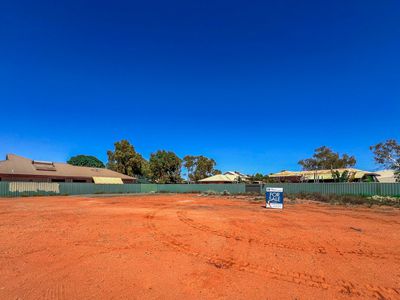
x=18 y=168
x=386 y=176
x=355 y=175
x=227 y=177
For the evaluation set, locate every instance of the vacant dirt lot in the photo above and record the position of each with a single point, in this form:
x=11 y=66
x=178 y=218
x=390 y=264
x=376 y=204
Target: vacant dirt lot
x=187 y=246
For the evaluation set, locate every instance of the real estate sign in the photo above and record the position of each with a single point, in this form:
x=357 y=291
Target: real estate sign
x=274 y=198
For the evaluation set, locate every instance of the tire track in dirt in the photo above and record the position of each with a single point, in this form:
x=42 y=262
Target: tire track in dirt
x=361 y=216
x=23 y=254
x=182 y=216
x=57 y=287
x=344 y=287
x=58 y=291
x=98 y=245
x=360 y=253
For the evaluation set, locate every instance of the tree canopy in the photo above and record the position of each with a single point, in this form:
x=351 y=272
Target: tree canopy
x=124 y=159
x=199 y=167
x=86 y=161
x=260 y=177
x=387 y=154
x=325 y=158
x=165 y=167
x=345 y=176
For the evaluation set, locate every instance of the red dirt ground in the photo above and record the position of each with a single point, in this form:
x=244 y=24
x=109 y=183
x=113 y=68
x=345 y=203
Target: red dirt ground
x=191 y=247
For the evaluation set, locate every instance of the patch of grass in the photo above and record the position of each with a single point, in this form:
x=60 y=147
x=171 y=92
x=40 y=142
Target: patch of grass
x=347 y=199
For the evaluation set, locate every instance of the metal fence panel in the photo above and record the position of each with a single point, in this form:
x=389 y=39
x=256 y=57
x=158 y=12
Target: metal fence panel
x=4 y=191
x=194 y=188
x=17 y=189
x=148 y=188
x=21 y=188
x=390 y=189
x=362 y=188
x=253 y=188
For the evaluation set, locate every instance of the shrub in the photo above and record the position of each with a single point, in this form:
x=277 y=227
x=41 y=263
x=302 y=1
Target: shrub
x=347 y=199
x=210 y=192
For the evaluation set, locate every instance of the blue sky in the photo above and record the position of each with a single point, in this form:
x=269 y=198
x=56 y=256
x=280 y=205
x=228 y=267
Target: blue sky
x=255 y=85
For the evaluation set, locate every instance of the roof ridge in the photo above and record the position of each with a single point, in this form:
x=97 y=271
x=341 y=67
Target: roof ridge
x=10 y=156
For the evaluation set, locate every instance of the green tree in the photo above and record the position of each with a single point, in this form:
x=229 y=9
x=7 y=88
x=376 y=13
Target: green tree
x=257 y=177
x=345 y=176
x=199 y=167
x=86 y=161
x=387 y=154
x=324 y=158
x=124 y=159
x=262 y=178
x=165 y=167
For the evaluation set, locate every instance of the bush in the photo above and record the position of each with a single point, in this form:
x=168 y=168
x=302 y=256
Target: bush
x=209 y=192
x=347 y=199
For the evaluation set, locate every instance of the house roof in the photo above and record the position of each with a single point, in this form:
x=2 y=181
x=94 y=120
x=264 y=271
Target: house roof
x=18 y=165
x=321 y=174
x=236 y=173
x=386 y=176
x=226 y=177
x=221 y=178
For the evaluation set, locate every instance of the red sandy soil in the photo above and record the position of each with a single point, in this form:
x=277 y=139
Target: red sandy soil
x=192 y=247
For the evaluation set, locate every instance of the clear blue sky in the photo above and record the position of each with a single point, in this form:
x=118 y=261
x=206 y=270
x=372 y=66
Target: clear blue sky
x=255 y=85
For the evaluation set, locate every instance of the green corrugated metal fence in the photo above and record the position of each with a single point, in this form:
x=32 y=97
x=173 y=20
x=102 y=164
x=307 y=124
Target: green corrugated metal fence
x=148 y=188
x=190 y=188
x=16 y=189
x=359 y=188
x=91 y=188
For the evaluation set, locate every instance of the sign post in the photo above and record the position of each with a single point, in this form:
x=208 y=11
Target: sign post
x=274 y=198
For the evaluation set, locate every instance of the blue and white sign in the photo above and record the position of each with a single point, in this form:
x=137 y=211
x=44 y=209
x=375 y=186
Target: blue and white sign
x=274 y=198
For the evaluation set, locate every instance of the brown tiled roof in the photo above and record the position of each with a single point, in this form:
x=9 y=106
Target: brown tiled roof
x=18 y=165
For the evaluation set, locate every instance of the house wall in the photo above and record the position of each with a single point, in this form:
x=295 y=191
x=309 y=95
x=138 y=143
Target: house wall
x=128 y=181
x=17 y=178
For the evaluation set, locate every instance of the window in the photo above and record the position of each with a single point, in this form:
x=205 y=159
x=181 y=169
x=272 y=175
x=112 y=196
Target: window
x=57 y=180
x=79 y=180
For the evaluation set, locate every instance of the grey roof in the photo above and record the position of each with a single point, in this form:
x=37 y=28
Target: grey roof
x=18 y=165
